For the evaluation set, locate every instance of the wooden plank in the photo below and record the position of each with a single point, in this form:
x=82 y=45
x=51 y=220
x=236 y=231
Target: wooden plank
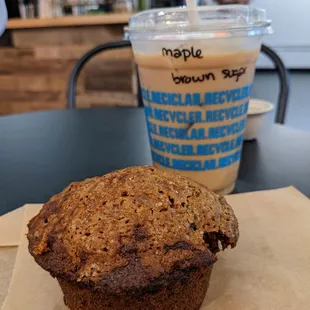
x=5 y=108
x=112 y=83
x=106 y=98
x=9 y=53
x=34 y=79
x=31 y=66
x=22 y=102
x=35 y=83
x=22 y=96
x=74 y=52
x=25 y=107
x=90 y=35
x=70 y=52
x=121 y=68
x=69 y=21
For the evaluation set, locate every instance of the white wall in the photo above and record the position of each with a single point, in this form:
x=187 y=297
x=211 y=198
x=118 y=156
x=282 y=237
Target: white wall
x=291 y=24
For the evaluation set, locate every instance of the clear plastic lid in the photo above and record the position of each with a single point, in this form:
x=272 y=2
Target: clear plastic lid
x=206 y=22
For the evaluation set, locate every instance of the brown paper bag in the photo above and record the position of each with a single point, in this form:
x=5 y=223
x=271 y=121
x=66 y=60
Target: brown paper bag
x=31 y=287
x=10 y=227
x=7 y=261
x=269 y=269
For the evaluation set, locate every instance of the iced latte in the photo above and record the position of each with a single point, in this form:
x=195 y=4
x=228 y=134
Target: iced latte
x=196 y=87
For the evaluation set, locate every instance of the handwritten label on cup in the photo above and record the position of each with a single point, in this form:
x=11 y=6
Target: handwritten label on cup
x=191 y=52
x=184 y=53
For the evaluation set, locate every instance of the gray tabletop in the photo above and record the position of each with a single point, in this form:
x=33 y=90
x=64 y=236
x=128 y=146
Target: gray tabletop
x=43 y=152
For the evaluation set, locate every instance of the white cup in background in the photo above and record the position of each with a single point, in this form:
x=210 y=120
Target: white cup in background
x=257 y=112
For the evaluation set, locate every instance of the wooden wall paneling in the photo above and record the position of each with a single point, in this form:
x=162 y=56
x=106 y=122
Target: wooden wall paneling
x=94 y=99
x=10 y=53
x=29 y=66
x=34 y=74
x=25 y=107
x=35 y=83
x=113 y=75
x=26 y=101
x=32 y=96
x=91 y=35
x=68 y=52
x=74 y=52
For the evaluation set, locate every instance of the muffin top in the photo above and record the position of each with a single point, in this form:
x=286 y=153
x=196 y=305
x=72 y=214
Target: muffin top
x=134 y=229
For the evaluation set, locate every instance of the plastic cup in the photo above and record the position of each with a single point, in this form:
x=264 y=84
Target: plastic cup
x=196 y=80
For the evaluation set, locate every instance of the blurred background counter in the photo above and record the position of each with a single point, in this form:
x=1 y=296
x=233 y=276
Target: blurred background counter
x=39 y=54
x=45 y=38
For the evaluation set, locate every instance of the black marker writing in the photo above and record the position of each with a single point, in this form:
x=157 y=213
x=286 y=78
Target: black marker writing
x=227 y=73
x=185 y=79
x=184 y=53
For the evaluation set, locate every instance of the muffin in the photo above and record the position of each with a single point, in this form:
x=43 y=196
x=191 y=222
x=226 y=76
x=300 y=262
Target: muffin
x=137 y=238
